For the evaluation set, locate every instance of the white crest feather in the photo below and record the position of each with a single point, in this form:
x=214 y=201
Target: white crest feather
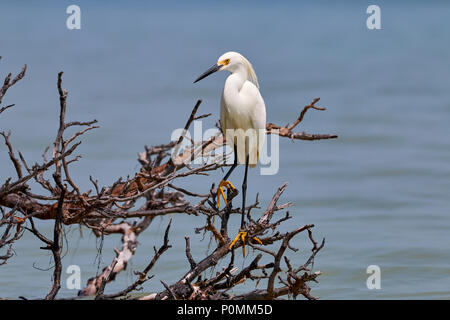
x=251 y=73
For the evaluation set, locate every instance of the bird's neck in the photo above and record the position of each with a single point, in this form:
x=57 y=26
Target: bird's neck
x=236 y=80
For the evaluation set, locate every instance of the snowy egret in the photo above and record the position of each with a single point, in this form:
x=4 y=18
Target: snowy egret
x=243 y=120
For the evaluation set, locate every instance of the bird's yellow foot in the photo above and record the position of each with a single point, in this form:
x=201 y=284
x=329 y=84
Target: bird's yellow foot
x=220 y=192
x=241 y=236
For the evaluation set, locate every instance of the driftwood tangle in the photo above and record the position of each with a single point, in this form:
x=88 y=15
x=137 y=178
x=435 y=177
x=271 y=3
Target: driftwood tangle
x=108 y=210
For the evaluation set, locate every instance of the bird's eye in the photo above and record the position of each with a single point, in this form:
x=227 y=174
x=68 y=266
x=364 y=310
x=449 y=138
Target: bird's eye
x=224 y=62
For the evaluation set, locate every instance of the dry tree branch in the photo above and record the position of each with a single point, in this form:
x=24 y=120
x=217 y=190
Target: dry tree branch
x=142 y=276
x=10 y=220
x=7 y=83
x=286 y=131
x=123 y=256
x=109 y=210
x=14 y=160
x=55 y=244
x=6 y=107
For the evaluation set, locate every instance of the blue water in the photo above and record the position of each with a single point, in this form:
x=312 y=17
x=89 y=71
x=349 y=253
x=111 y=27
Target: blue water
x=379 y=194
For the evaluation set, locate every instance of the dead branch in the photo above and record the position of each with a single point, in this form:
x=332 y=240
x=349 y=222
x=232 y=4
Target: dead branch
x=186 y=288
x=287 y=132
x=142 y=276
x=109 y=210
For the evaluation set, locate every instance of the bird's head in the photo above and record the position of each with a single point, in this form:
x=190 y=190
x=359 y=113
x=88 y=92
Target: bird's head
x=232 y=62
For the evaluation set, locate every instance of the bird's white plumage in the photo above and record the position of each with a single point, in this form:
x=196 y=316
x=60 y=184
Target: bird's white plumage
x=242 y=109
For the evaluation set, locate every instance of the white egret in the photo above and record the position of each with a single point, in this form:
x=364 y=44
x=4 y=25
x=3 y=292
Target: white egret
x=243 y=120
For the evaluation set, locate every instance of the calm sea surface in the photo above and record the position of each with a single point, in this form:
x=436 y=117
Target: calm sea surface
x=379 y=194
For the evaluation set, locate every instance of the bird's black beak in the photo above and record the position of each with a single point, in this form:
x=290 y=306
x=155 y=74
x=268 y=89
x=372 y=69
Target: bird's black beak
x=211 y=70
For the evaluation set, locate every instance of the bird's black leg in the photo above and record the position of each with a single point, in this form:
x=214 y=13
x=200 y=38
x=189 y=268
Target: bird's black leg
x=225 y=183
x=242 y=232
x=233 y=166
x=244 y=191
